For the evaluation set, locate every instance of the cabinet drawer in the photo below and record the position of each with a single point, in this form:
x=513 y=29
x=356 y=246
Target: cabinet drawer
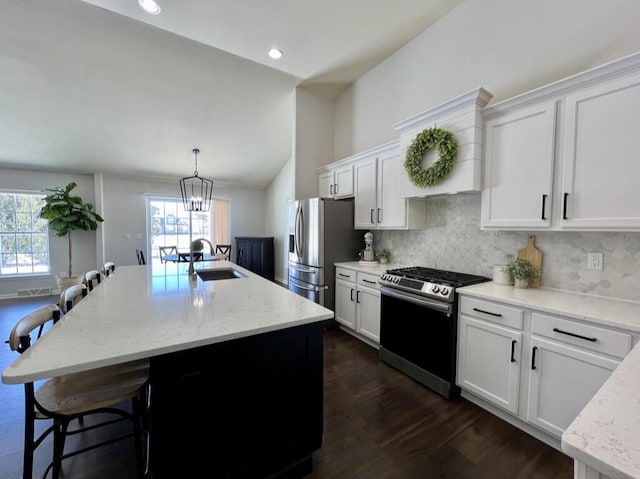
x=346 y=274
x=368 y=280
x=490 y=311
x=586 y=336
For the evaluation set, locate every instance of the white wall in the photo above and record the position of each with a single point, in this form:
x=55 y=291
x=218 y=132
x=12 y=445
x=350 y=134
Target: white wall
x=276 y=196
x=84 y=242
x=124 y=207
x=313 y=140
x=122 y=203
x=508 y=47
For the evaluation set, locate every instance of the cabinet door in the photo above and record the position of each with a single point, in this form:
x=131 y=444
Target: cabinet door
x=518 y=171
x=392 y=207
x=343 y=187
x=345 y=312
x=489 y=361
x=325 y=185
x=365 y=194
x=561 y=382
x=368 y=313
x=600 y=165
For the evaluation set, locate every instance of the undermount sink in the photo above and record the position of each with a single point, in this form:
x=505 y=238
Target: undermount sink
x=219 y=273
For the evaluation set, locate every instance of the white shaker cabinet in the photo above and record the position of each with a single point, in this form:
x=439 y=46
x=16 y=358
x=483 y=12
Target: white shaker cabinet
x=600 y=157
x=379 y=203
x=490 y=349
x=518 y=170
x=336 y=182
x=358 y=303
x=563 y=156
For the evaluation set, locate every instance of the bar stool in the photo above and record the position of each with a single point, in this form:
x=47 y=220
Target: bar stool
x=92 y=276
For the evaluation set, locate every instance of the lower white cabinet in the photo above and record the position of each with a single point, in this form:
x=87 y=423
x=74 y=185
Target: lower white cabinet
x=562 y=381
x=489 y=361
x=358 y=303
x=541 y=368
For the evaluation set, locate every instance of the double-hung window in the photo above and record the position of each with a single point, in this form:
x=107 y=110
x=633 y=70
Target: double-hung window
x=24 y=237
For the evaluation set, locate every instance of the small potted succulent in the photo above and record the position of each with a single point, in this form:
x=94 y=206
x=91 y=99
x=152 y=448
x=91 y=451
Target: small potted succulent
x=523 y=272
x=384 y=255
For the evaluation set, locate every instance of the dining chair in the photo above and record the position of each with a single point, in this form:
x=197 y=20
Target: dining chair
x=71 y=295
x=224 y=249
x=108 y=268
x=92 y=278
x=140 y=255
x=165 y=251
x=66 y=399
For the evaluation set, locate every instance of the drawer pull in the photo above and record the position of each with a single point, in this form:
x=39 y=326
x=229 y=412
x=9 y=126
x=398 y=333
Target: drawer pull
x=357 y=296
x=574 y=335
x=368 y=281
x=533 y=357
x=513 y=350
x=544 y=204
x=351 y=294
x=344 y=275
x=564 y=207
x=497 y=315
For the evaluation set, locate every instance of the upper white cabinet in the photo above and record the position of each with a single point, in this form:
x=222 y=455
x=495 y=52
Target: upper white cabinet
x=336 y=182
x=379 y=203
x=600 y=157
x=518 y=168
x=563 y=156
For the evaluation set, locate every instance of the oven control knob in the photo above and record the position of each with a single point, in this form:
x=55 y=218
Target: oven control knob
x=435 y=288
x=396 y=279
x=444 y=291
x=383 y=277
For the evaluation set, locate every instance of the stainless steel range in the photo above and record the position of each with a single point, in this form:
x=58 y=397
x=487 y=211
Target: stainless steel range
x=418 y=323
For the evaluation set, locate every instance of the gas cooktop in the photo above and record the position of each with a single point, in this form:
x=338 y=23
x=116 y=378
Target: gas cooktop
x=433 y=283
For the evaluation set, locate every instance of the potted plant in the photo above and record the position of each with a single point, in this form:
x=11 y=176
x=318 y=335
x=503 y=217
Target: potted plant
x=66 y=213
x=197 y=245
x=384 y=255
x=523 y=272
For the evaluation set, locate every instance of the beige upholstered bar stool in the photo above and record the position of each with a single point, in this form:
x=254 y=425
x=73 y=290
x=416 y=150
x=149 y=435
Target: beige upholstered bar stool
x=70 y=296
x=66 y=399
x=108 y=268
x=92 y=278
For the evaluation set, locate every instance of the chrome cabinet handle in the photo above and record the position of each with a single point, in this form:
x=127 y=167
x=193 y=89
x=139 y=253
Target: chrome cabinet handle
x=372 y=222
x=331 y=190
x=335 y=188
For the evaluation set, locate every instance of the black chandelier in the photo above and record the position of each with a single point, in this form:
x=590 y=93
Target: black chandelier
x=196 y=191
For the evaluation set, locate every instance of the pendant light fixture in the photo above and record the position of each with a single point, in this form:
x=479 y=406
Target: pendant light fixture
x=196 y=191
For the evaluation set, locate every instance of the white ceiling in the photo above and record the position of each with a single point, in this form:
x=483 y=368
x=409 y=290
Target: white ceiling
x=101 y=86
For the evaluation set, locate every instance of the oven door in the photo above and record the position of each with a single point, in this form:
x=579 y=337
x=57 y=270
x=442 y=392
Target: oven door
x=418 y=336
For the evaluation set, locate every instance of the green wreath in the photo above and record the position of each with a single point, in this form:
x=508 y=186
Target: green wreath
x=423 y=142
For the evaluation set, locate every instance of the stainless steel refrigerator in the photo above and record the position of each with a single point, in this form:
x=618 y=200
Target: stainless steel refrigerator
x=322 y=234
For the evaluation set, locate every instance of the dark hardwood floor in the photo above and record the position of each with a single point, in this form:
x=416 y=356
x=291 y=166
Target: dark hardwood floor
x=378 y=423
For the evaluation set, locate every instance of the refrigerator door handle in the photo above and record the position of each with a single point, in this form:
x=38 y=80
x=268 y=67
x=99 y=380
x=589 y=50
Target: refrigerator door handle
x=308 y=288
x=302 y=270
x=298 y=232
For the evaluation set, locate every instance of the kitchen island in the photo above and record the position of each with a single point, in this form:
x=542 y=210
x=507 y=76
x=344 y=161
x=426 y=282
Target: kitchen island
x=238 y=361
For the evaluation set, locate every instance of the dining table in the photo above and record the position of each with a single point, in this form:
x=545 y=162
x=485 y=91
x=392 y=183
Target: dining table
x=185 y=257
x=236 y=365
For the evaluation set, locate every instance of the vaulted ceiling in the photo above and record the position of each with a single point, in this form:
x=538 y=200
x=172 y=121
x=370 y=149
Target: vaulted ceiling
x=101 y=86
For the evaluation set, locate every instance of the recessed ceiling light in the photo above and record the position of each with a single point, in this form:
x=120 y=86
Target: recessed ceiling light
x=275 y=53
x=149 y=6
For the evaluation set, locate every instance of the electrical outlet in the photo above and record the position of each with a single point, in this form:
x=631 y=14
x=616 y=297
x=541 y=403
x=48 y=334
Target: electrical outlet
x=594 y=261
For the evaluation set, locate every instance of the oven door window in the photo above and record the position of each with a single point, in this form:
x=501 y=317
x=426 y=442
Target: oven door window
x=419 y=334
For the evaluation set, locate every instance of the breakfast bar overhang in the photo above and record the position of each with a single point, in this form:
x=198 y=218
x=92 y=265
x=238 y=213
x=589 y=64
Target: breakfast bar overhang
x=236 y=367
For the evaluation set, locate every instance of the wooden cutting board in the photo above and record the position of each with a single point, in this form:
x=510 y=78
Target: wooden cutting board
x=534 y=256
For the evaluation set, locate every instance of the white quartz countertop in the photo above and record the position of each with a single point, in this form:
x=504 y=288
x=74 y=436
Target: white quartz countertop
x=374 y=268
x=609 y=312
x=606 y=434
x=134 y=314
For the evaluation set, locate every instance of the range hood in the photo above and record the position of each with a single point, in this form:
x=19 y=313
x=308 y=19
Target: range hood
x=461 y=116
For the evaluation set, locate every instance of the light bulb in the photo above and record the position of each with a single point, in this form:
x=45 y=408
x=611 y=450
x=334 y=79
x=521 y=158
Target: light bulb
x=149 y=6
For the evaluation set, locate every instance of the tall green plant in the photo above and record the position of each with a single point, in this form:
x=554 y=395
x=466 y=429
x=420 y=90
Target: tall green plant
x=66 y=213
